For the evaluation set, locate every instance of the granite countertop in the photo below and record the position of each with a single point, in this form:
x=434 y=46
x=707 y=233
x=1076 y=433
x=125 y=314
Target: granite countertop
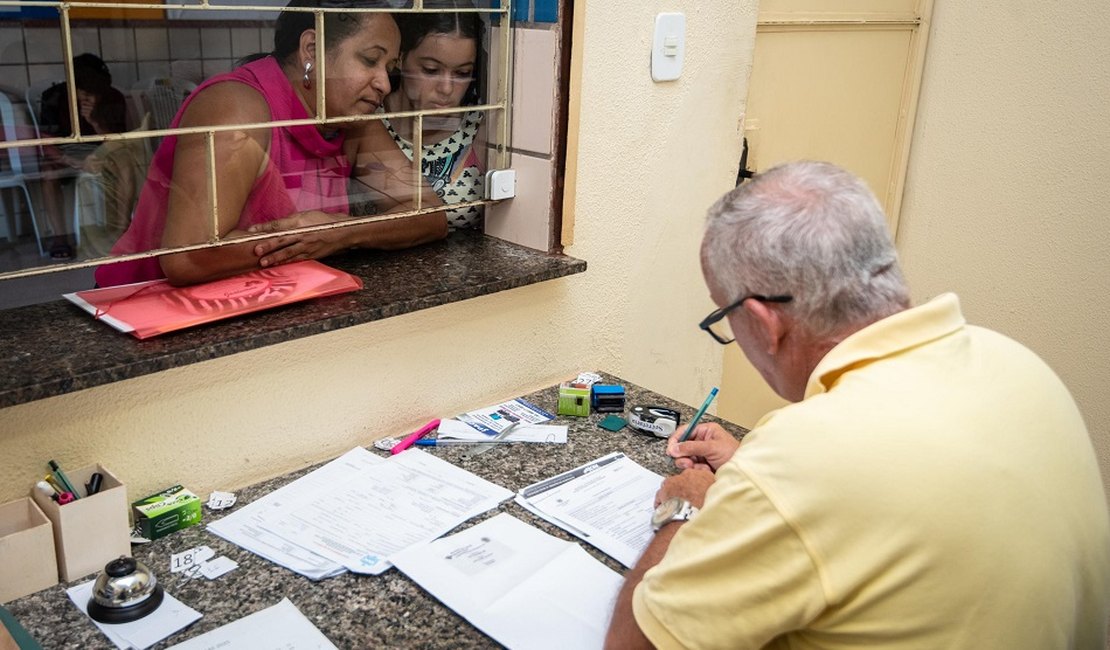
x=357 y=611
x=56 y=348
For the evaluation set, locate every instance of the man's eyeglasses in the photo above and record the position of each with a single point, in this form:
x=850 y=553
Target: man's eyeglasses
x=709 y=321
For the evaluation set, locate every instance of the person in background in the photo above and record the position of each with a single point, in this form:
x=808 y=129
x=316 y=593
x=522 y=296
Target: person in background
x=441 y=58
x=101 y=109
x=270 y=179
x=932 y=485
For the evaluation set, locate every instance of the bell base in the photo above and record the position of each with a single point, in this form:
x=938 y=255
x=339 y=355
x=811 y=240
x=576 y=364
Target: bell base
x=128 y=613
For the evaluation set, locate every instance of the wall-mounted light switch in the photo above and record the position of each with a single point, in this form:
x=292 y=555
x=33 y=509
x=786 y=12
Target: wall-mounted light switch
x=668 y=46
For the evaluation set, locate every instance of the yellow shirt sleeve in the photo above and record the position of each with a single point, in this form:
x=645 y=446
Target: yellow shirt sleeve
x=737 y=575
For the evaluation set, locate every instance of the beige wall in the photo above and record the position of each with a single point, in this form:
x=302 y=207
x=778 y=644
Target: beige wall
x=1007 y=197
x=651 y=158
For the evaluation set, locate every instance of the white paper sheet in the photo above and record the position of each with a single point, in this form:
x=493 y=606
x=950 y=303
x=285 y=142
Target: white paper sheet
x=280 y=627
x=360 y=522
x=172 y=615
x=493 y=419
x=244 y=527
x=550 y=433
x=519 y=585
x=608 y=503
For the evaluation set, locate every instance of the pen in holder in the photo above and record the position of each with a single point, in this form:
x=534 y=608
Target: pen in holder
x=92 y=530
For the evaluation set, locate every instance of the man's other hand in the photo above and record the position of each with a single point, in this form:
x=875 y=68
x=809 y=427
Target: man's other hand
x=691 y=484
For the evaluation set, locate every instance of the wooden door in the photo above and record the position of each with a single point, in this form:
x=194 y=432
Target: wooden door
x=833 y=80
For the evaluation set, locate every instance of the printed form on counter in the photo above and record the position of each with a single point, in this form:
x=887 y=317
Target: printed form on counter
x=607 y=502
x=357 y=510
x=521 y=586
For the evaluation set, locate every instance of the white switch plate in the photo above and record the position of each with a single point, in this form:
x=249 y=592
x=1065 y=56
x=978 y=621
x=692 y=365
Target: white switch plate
x=668 y=47
x=501 y=184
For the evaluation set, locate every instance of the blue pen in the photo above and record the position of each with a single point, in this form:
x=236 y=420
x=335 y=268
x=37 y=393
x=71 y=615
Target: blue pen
x=436 y=442
x=697 y=416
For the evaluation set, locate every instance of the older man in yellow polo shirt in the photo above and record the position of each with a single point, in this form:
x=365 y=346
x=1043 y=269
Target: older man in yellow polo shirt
x=932 y=486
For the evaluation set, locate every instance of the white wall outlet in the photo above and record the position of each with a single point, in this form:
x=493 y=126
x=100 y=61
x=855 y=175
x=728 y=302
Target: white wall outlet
x=500 y=184
x=668 y=47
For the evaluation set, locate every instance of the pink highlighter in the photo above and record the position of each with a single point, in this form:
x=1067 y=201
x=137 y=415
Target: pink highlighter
x=408 y=440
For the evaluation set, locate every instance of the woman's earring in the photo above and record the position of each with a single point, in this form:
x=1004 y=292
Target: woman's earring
x=307 y=72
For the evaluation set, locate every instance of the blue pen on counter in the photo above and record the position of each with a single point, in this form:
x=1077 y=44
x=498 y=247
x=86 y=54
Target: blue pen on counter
x=697 y=416
x=62 y=478
x=436 y=442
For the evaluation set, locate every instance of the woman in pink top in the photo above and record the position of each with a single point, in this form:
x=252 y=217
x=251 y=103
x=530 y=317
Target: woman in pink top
x=270 y=179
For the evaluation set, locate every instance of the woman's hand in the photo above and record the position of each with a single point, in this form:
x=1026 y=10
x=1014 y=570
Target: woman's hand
x=709 y=447
x=303 y=246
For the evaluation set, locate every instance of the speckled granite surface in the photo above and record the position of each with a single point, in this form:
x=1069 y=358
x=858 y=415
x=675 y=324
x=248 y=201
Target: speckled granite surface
x=356 y=611
x=55 y=348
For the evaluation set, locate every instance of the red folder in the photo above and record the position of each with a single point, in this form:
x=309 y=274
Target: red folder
x=147 y=309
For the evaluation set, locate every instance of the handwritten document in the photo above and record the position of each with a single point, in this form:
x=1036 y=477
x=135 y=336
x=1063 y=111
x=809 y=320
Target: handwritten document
x=607 y=502
x=521 y=586
x=359 y=522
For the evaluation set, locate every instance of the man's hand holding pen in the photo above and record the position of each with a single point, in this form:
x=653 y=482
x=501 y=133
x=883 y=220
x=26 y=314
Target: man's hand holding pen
x=708 y=447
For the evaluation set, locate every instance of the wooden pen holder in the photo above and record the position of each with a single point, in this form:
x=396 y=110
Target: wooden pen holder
x=91 y=531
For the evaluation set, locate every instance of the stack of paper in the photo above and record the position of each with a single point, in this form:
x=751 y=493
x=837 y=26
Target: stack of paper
x=357 y=511
x=519 y=585
x=607 y=502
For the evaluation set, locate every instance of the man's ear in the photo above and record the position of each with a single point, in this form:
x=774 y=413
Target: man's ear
x=769 y=326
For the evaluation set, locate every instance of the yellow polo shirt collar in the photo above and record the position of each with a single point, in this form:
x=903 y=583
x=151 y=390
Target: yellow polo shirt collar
x=937 y=318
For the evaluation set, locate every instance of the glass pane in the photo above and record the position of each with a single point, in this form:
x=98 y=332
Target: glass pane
x=450 y=4
x=70 y=199
x=103 y=196
x=444 y=67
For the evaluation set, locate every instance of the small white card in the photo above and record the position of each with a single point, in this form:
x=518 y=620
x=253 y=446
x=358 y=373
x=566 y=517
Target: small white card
x=215 y=568
x=220 y=500
x=190 y=559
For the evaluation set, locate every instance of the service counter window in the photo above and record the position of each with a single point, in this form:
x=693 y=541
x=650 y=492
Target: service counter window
x=217 y=138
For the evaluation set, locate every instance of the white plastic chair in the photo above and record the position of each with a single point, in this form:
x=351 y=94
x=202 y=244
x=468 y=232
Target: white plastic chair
x=82 y=187
x=33 y=97
x=161 y=97
x=13 y=175
x=87 y=194
x=89 y=190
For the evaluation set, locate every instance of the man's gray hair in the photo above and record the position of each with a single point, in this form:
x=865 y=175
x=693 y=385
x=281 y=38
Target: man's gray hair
x=811 y=230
